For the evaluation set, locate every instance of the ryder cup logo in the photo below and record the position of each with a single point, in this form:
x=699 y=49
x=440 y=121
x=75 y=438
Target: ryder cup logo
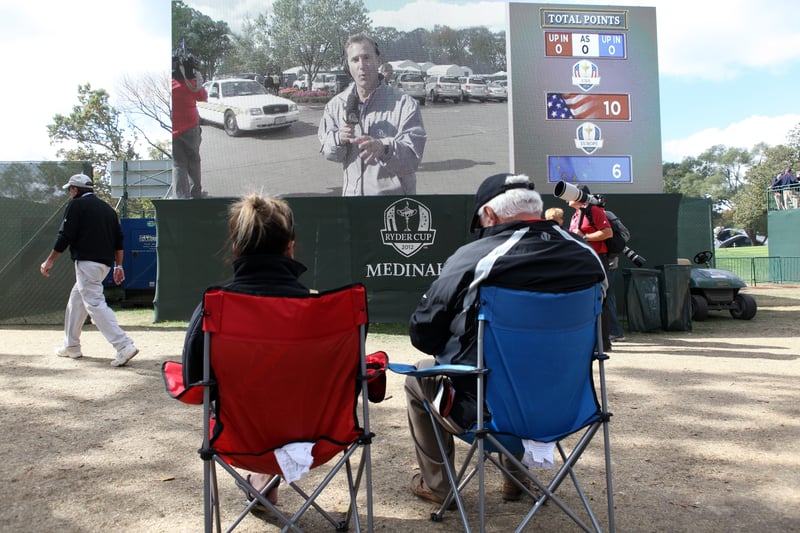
x=407 y=227
x=585 y=75
x=589 y=137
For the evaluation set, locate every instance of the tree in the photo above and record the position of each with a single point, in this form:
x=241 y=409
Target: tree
x=451 y=45
x=94 y=129
x=487 y=51
x=793 y=142
x=750 y=201
x=39 y=182
x=415 y=45
x=251 y=50
x=149 y=98
x=198 y=34
x=312 y=33
x=731 y=164
x=691 y=177
x=387 y=39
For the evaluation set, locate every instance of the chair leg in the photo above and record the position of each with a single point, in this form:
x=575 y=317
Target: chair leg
x=547 y=491
x=311 y=500
x=210 y=497
x=259 y=497
x=353 y=507
x=454 y=486
x=359 y=473
x=364 y=465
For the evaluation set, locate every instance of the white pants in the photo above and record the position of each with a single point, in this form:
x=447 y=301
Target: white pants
x=87 y=298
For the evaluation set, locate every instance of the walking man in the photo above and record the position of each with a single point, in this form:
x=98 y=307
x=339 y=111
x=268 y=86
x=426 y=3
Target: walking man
x=92 y=231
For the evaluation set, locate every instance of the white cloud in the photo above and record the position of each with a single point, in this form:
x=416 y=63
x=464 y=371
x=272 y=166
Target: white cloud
x=743 y=134
x=234 y=12
x=50 y=56
x=714 y=41
x=707 y=40
x=428 y=13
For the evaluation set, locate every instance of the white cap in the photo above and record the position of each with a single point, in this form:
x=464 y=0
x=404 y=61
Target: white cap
x=79 y=180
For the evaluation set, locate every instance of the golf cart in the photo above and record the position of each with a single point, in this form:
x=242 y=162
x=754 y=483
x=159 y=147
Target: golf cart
x=713 y=289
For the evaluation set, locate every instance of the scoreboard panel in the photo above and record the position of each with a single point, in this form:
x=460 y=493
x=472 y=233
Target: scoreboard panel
x=584 y=95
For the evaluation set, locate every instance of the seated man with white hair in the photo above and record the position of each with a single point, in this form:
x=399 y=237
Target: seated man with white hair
x=516 y=249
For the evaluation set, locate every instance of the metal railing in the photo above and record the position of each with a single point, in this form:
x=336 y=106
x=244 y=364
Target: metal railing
x=755 y=270
x=783 y=198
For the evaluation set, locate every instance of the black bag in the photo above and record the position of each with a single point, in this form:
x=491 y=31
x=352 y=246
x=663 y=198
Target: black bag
x=620 y=237
x=617 y=242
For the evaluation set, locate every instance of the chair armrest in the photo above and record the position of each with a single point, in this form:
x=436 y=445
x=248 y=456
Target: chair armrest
x=437 y=370
x=172 y=373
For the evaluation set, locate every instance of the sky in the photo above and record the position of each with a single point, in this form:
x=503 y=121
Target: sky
x=727 y=71
x=50 y=48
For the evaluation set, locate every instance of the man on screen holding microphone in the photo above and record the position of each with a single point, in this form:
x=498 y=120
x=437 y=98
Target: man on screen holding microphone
x=374 y=130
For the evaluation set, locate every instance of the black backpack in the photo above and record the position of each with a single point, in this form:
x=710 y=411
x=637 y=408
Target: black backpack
x=617 y=242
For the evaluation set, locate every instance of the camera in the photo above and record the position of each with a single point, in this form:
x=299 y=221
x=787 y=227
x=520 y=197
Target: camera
x=635 y=258
x=184 y=66
x=571 y=193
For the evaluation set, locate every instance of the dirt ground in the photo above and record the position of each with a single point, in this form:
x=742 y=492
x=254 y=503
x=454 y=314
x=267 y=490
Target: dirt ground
x=704 y=435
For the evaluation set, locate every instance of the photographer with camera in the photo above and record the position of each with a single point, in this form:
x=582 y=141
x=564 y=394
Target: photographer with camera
x=187 y=90
x=590 y=222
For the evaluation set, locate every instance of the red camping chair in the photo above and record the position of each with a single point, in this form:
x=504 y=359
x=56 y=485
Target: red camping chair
x=278 y=371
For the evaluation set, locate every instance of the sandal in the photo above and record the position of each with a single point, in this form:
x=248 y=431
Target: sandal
x=272 y=494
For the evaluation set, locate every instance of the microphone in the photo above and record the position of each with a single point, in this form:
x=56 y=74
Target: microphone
x=351 y=109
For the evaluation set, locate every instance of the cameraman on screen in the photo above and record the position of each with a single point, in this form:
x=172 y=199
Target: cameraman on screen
x=590 y=222
x=187 y=90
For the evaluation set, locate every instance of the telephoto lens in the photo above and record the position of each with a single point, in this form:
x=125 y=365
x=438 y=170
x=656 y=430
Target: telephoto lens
x=635 y=258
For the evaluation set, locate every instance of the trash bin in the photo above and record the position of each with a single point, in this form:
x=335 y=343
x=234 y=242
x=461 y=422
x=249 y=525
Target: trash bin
x=642 y=299
x=676 y=299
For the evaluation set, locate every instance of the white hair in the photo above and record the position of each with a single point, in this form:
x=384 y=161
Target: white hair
x=515 y=202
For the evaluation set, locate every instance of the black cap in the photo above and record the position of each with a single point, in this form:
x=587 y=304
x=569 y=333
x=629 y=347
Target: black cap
x=491 y=187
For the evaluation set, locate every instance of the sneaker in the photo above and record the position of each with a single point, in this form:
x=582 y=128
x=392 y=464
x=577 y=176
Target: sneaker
x=620 y=338
x=66 y=352
x=125 y=355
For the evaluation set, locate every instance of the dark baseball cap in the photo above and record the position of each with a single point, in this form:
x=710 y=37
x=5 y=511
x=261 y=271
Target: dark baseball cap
x=494 y=186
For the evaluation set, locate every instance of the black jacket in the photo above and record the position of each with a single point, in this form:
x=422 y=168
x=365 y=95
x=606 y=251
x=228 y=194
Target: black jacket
x=536 y=255
x=91 y=229
x=260 y=275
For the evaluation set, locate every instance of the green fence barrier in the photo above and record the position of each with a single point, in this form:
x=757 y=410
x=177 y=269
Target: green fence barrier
x=755 y=270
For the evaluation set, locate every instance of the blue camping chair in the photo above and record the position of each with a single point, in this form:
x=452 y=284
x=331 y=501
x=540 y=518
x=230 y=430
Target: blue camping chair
x=536 y=353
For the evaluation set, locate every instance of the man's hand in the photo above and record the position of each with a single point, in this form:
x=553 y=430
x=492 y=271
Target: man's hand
x=119 y=275
x=346 y=133
x=45 y=267
x=370 y=149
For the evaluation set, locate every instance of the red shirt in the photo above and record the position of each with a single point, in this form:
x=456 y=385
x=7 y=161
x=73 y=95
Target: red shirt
x=600 y=221
x=184 y=106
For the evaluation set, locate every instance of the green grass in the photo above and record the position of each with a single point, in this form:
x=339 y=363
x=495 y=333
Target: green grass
x=742 y=251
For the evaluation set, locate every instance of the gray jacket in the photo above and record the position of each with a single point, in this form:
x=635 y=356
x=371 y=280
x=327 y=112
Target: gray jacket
x=393 y=118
